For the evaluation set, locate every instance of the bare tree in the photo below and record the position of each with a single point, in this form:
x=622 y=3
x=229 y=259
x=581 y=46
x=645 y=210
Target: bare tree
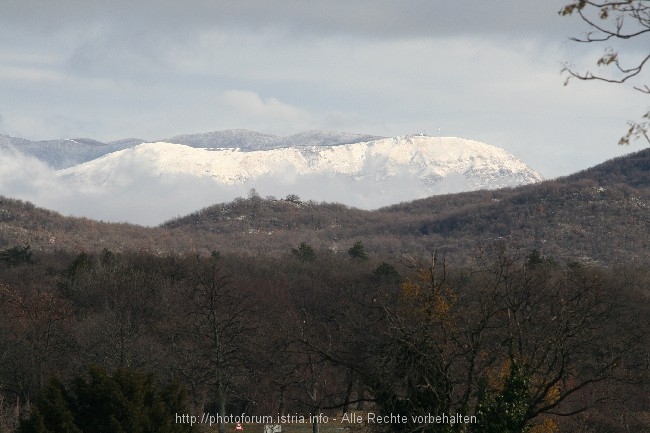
x=211 y=337
x=37 y=321
x=616 y=22
x=518 y=342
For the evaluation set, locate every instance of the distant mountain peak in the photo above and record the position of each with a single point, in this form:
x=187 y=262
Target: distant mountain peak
x=246 y=140
x=187 y=172
x=365 y=174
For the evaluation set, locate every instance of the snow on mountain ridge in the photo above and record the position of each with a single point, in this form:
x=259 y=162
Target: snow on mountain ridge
x=64 y=153
x=148 y=183
x=247 y=140
x=427 y=158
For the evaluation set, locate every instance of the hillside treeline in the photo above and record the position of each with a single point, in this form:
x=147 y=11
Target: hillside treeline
x=521 y=341
x=599 y=216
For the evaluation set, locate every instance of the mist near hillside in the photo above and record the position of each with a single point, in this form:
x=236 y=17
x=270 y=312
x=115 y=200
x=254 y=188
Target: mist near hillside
x=152 y=183
x=142 y=198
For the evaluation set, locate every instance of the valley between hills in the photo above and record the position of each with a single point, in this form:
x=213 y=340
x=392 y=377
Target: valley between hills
x=524 y=305
x=600 y=215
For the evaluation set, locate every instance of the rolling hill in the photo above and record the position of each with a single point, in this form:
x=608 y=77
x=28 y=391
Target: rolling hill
x=148 y=183
x=600 y=215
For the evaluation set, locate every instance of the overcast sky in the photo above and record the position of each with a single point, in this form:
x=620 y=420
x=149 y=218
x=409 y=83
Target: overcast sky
x=483 y=70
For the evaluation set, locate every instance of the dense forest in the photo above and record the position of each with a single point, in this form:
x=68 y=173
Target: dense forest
x=522 y=309
x=518 y=340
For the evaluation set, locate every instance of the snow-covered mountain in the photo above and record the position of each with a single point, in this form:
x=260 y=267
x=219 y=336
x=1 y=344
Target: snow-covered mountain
x=148 y=183
x=249 y=140
x=65 y=153
x=431 y=160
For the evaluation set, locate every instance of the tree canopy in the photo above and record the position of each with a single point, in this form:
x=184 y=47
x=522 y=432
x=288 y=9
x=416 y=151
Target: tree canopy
x=126 y=401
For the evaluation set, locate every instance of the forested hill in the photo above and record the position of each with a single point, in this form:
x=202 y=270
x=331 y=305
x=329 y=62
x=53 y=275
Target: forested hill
x=599 y=215
x=633 y=170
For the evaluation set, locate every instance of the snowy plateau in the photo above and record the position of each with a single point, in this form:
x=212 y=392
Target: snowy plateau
x=150 y=182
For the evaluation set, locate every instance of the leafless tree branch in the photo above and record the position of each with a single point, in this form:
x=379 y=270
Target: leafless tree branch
x=613 y=20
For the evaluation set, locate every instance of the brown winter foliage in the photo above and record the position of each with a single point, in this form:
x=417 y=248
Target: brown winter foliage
x=600 y=215
x=523 y=307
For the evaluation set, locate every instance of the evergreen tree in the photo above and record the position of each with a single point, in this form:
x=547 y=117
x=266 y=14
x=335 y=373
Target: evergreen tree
x=16 y=255
x=127 y=401
x=52 y=412
x=358 y=251
x=505 y=410
x=304 y=253
x=386 y=273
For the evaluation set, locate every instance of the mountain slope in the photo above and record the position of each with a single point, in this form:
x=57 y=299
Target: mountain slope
x=598 y=215
x=60 y=154
x=633 y=170
x=364 y=174
x=147 y=183
x=429 y=158
x=593 y=216
x=65 y=153
x=245 y=140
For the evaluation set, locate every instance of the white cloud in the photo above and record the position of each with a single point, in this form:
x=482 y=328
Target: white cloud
x=478 y=70
x=251 y=105
x=23 y=73
x=27 y=178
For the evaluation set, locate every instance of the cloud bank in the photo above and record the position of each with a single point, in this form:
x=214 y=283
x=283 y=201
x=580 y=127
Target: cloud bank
x=488 y=71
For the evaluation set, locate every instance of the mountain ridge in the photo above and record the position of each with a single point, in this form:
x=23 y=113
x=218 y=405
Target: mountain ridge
x=592 y=216
x=67 y=152
x=366 y=174
x=247 y=140
x=343 y=158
